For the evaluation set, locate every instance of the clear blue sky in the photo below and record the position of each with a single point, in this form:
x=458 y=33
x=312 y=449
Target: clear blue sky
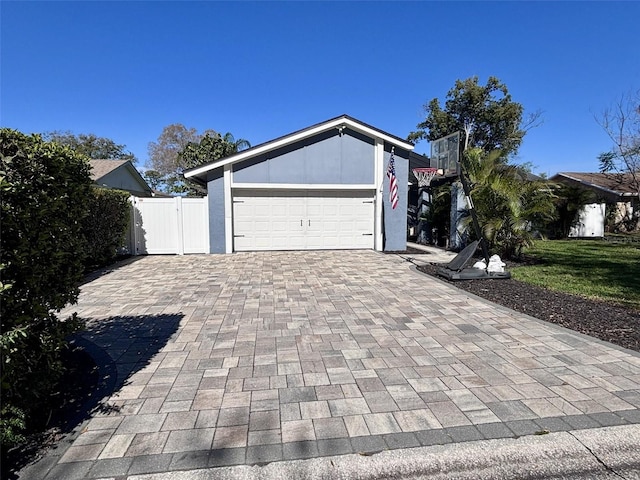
x=124 y=70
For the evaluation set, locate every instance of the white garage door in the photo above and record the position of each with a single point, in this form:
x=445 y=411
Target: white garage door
x=302 y=220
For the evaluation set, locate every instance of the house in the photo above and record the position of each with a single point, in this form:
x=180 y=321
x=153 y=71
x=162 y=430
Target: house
x=121 y=175
x=322 y=187
x=616 y=190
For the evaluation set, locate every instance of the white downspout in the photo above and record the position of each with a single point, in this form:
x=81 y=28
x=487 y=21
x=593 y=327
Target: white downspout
x=379 y=198
x=228 y=210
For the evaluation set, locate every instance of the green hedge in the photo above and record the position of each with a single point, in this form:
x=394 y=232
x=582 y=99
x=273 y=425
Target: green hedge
x=44 y=189
x=105 y=226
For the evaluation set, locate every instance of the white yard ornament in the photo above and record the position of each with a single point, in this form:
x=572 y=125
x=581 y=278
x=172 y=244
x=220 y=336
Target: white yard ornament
x=480 y=265
x=496 y=265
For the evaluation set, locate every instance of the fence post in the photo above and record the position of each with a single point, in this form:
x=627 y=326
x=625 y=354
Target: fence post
x=180 y=226
x=132 y=231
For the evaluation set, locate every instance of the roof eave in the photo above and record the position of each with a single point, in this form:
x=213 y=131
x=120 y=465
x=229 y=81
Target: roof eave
x=138 y=176
x=596 y=186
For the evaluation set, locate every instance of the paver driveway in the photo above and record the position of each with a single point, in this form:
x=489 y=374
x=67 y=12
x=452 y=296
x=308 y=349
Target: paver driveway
x=258 y=357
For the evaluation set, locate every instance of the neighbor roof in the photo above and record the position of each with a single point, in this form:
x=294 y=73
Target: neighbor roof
x=342 y=120
x=612 y=183
x=100 y=168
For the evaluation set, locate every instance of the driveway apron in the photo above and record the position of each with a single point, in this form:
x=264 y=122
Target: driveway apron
x=250 y=358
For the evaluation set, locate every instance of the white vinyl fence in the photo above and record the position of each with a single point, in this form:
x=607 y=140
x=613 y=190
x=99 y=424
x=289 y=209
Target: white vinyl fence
x=169 y=226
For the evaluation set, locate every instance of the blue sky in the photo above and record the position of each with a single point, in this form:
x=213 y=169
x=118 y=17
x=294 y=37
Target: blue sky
x=124 y=70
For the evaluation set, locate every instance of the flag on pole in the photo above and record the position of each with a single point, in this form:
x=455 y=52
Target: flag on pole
x=393 y=182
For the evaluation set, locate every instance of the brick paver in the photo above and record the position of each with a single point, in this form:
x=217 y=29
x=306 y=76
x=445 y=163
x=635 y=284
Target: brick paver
x=259 y=357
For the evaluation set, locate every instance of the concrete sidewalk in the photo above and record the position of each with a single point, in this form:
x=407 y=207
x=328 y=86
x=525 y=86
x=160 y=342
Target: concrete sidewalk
x=245 y=359
x=610 y=452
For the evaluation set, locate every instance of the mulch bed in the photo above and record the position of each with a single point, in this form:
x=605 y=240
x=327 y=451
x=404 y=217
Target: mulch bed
x=604 y=320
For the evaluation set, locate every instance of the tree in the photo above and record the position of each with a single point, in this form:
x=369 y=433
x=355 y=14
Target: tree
x=621 y=122
x=211 y=147
x=164 y=165
x=179 y=148
x=163 y=154
x=154 y=179
x=92 y=146
x=487 y=116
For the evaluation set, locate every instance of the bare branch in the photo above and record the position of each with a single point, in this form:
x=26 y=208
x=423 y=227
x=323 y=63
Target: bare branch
x=533 y=120
x=621 y=122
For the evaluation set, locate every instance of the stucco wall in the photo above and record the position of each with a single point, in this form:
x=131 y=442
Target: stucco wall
x=327 y=158
x=215 y=194
x=395 y=221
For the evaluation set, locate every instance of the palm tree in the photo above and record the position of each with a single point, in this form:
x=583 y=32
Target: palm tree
x=235 y=145
x=508 y=205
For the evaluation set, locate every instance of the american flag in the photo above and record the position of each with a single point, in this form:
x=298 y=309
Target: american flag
x=393 y=182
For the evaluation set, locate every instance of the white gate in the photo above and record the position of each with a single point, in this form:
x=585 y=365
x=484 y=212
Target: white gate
x=169 y=225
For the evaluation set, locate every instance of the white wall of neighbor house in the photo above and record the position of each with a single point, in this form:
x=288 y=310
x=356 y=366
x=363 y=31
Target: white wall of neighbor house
x=589 y=222
x=122 y=179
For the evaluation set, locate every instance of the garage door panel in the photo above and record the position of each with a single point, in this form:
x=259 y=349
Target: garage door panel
x=262 y=226
x=270 y=210
x=294 y=220
x=279 y=226
x=330 y=210
x=361 y=226
x=315 y=210
x=296 y=206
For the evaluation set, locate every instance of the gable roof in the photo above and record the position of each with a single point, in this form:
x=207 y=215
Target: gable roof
x=101 y=168
x=620 y=184
x=342 y=120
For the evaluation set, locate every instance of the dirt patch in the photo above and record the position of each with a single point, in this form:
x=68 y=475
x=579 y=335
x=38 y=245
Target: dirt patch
x=604 y=320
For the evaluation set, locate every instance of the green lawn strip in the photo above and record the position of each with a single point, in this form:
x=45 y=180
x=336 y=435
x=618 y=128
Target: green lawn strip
x=590 y=268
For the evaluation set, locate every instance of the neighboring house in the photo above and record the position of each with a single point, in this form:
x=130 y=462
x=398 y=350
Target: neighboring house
x=121 y=175
x=323 y=187
x=613 y=189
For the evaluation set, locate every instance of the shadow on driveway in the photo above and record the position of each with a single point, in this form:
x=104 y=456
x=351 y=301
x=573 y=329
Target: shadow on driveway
x=132 y=341
x=101 y=272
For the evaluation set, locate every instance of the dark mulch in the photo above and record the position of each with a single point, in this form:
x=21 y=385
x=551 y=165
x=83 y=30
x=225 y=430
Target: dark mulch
x=603 y=320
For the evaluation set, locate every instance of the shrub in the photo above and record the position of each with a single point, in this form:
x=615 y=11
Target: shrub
x=44 y=189
x=106 y=225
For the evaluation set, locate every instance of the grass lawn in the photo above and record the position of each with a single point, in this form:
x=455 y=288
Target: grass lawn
x=591 y=268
